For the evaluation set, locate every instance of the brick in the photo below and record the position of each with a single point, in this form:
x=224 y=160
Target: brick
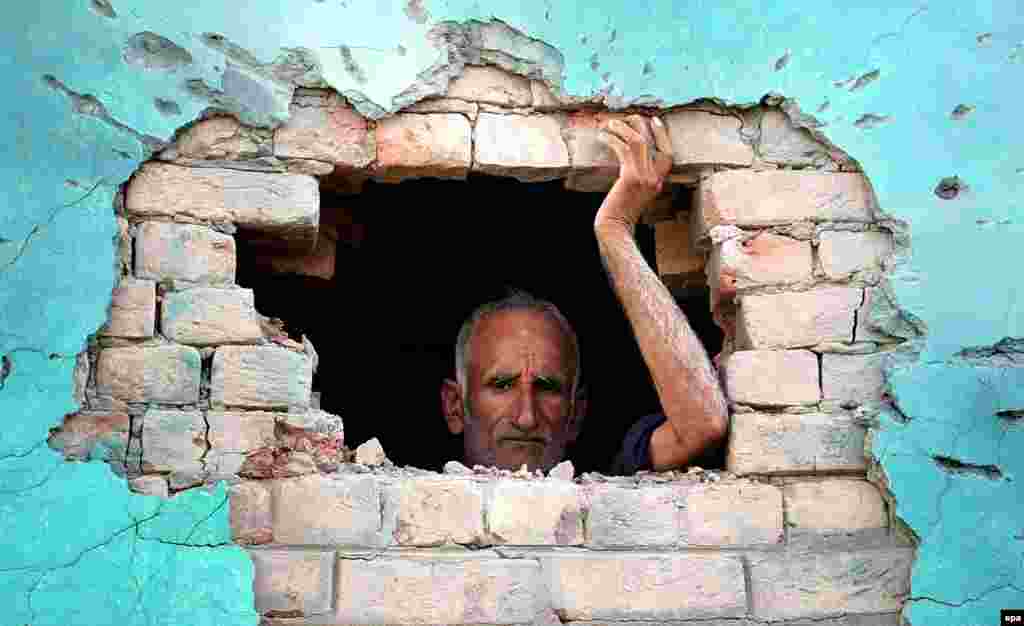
x=323 y=127
x=620 y=517
x=594 y=166
x=526 y=147
x=173 y=441
x=132 y=310
x=640 y=587
x=419 y=145
x=423 y=512
x=92 y=435
x=124 y=245
x=205 y=316
x=762 y=443
x=233 y=435
x=484 y=83
x=772 y=377
x=845 y=253
x=733 y=513
x=222 y=138
x=168 y=374
x=535 y=513
x=783 y=143
x=184 y=252
x=768 y=197
x=700 y=138
x=333 y=510
x=284 y=205
x=293 y=581
x=250 y=513
x=454 y=590
x=679 y=262
x=150 y=486
x=834 y=505
x=853 y=379
x=795 y=585
x=797 y=320
x=764 y=259
x=260 y=377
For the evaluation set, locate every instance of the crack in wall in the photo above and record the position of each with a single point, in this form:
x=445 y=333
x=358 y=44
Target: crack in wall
x=956 y=466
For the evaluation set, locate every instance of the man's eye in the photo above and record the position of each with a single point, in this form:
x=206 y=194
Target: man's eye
x=549 y=384
x=503 y=383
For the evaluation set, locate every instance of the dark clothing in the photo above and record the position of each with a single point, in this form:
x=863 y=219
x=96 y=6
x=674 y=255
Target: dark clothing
x=635 y=455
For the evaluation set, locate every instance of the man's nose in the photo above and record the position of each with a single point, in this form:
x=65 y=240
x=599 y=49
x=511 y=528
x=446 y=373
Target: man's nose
x=526 y=414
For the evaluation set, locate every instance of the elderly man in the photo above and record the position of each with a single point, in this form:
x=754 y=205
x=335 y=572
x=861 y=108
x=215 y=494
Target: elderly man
x=515 y=398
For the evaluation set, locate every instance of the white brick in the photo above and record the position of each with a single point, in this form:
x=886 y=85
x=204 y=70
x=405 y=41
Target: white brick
x=844 y=253
x=535 y=513
x=132 y=309
x=287 y=205
x=763 y=198
x=233 y=435
x=772 y=378
x=206 y=316
x=797 y=320
x=260 y=377
x=424 y=512
x=762 y=443
x=527 y=147
x=184 y=252
x=454 y=590
x=168 y=374
x=323 y=127
x=340 y=509
x=641 y=587
x=812 y=585
x=621 y=516
x=701 y=138
x=853 y=379
x=250 y=513
x=418 y=145
x=293 y=581
x=834 y=505
x=733 y=513
x=740 y=263
x=173 y=441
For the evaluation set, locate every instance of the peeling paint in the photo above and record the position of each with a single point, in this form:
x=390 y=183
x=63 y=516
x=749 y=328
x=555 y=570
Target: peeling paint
x=155 y=52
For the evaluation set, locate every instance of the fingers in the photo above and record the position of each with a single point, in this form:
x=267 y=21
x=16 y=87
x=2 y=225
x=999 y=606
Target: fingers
x=661 y=138
x=643 y=127
x=617 y=145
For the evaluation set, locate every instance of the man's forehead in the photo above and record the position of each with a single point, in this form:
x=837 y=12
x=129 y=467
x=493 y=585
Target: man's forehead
x=505 y=337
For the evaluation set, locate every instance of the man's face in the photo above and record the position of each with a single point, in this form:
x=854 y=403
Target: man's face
x=517 y=404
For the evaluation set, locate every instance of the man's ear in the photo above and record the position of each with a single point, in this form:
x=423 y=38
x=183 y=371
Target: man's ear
x=452 y=406
x=579 y=411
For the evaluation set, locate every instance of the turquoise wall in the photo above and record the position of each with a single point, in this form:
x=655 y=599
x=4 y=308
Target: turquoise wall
x=86 y=93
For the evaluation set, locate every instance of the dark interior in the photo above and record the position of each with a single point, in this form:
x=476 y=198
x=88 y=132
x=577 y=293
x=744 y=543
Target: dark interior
x=429 y=252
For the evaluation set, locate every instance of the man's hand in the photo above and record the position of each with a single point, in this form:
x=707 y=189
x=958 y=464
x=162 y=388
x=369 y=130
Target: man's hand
x=645 y=158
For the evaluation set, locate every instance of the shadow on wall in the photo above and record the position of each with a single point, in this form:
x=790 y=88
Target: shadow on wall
x=419 y=258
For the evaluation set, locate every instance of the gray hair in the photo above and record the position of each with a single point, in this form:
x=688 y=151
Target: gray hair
x=515 y=301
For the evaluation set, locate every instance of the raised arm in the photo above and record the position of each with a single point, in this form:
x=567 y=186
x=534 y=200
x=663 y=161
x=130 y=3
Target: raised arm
x=686 y=381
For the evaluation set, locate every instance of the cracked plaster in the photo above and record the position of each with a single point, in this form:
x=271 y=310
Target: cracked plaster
x=78 y=548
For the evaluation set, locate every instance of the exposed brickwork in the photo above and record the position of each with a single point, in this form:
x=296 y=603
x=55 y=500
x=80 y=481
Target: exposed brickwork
x=789 y=586
x=206 y=316
x=132 y=310
x=761 y=443
x=527 y=147
x=285 y=204
x=797 y=320
x=166 y=374
x=798 y=537
x=772 y=377
x=183 y=252
x=762 y=198
x=260 y=377
x=322 y=127
x=417 y=145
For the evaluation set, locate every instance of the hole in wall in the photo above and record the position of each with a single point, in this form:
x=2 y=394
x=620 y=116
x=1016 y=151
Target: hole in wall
x=412 y=261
